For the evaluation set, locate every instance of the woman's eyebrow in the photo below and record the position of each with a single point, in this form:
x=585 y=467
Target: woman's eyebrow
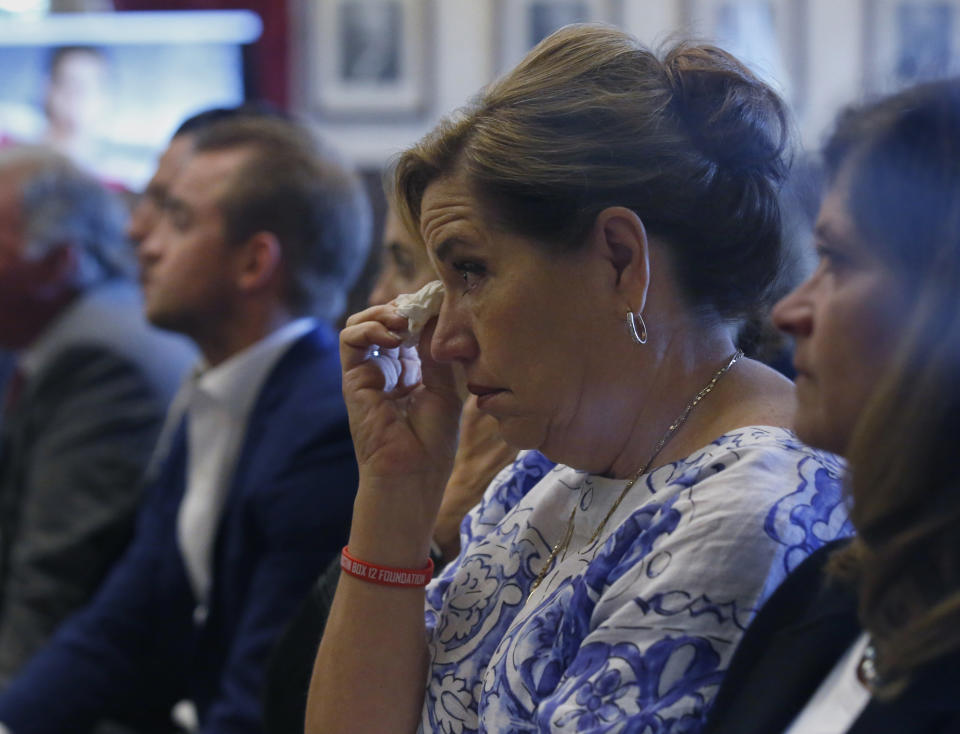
x=443 y=250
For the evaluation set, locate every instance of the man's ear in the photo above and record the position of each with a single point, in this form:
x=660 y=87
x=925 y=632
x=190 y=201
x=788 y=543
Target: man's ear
x=259 y=261
x=622 y=239
x=55 y=271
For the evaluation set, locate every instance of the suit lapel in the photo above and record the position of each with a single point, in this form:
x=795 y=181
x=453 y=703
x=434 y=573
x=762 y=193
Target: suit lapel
x=278 y=388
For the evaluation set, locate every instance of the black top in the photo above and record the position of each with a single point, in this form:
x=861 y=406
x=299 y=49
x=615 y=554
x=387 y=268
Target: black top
x=793 y=644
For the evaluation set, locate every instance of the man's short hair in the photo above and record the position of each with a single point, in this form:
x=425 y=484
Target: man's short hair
x=301 y=192
x=215 y=115
x=64 y=206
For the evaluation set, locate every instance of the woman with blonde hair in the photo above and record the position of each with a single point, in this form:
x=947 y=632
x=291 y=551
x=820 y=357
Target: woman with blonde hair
x=601 y=220
x=865 y=636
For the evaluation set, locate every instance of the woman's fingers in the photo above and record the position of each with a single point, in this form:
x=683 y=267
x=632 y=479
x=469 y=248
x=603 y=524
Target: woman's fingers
x=364 y=340
x=369 y=341
x=409 y=361
x=386 y=314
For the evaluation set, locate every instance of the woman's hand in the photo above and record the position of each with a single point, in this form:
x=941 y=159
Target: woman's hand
x=404 y=413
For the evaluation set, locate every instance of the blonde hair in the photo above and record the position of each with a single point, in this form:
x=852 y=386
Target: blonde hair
x=692 y=142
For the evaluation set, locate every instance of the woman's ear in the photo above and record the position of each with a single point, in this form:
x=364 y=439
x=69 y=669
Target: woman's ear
x=622 y=239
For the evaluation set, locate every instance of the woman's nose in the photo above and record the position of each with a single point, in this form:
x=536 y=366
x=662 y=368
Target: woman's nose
x=793 y=313
x=453 y=339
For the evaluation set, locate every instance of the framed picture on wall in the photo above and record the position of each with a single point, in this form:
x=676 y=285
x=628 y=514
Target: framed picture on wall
x=522 y=24
x=371 y=57
x=910 y=41
x=768 y=35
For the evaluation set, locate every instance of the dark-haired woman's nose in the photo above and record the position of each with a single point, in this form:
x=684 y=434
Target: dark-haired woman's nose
x=793 y=314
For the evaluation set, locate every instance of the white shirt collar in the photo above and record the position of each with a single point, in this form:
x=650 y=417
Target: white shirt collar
x=235 y=383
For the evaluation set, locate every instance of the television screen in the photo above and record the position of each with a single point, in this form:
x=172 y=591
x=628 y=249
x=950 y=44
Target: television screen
x=110 y=88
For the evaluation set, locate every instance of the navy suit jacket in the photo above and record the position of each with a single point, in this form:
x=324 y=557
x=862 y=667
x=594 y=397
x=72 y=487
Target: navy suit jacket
x=795 y=641
x=143 y=643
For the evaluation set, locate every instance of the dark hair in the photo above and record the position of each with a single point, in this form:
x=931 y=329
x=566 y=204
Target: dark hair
x=207 y=118
x=693 y=143
x=800 y=197
x=900 y=158
x=296 y=189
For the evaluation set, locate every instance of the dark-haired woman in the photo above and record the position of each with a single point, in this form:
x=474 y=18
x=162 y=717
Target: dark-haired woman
x=601 y=219
x=865 y=637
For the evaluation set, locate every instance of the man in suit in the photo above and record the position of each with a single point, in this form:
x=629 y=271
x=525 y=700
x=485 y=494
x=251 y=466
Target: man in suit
x=88 y=396
x=259 y=238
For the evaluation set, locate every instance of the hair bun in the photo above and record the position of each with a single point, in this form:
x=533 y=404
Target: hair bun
x=732 y=117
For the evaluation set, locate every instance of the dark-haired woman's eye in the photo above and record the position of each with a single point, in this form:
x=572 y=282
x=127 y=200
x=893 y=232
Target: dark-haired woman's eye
x=831 y=260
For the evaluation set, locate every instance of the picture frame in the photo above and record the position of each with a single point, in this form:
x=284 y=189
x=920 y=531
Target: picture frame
x=909 y=42
x=770 y=36
x=371 y=57
x=521 y=24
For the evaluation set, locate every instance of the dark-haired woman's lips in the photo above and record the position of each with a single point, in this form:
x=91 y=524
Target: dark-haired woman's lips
x=484 y=393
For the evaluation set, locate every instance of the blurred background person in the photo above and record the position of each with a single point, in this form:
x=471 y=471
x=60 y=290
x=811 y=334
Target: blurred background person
x=87 y=398
x=865 y=636
x=76 y=102
x=260 y=235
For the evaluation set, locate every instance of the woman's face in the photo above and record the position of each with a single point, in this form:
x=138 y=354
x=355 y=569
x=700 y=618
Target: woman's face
x=404 y=265
x=528 y=326
x=846 y=319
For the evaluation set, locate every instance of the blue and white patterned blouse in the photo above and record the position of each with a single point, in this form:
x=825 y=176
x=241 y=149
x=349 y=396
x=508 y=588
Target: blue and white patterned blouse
x=632 y=633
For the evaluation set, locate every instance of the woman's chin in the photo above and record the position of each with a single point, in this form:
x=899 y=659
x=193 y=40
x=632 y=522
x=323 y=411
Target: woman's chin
x=521 y=432
x=818 y=433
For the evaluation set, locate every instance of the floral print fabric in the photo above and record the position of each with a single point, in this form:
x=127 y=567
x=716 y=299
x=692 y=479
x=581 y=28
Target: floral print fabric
x=632 y=632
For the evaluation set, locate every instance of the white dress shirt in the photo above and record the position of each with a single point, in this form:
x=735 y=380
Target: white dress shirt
x=839 y=700
x=218 y=402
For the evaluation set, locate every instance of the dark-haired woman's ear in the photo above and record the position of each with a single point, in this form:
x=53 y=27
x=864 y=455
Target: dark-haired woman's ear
x=622 y=241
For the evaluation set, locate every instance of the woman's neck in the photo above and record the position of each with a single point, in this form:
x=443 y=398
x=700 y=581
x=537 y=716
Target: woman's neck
x=680 y=393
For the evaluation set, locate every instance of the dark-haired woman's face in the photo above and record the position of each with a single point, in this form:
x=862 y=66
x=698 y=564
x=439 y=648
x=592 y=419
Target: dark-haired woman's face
x=846 y=319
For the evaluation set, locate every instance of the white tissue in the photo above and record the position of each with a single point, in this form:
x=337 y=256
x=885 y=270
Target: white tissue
x=419 y=308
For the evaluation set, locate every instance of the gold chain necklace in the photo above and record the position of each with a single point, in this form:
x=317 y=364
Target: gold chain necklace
x=674 y=427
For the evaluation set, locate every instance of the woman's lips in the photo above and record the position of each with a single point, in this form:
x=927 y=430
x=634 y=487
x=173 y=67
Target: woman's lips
x=484 y=393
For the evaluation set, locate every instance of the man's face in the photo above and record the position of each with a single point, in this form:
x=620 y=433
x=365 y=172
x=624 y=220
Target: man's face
x=189 y=272
x=77 y=93
x=145 y=214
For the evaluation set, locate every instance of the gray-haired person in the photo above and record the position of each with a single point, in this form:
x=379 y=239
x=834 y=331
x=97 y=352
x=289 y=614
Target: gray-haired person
x=86 y=400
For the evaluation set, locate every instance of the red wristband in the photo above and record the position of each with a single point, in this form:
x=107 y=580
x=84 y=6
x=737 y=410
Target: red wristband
x=385 y=575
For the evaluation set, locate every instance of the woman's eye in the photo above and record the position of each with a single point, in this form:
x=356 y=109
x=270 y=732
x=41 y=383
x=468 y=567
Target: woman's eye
x=401 y=261
x=470 y=272
x=830 y=259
